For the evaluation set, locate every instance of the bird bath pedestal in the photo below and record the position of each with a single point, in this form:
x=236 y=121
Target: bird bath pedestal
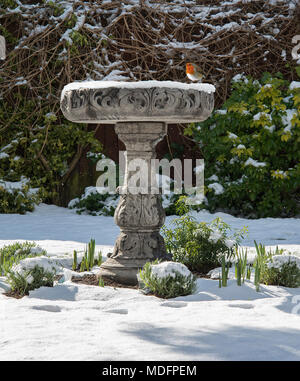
x=140 y=112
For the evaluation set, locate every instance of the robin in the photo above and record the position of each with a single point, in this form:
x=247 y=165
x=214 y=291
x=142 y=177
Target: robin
x=193 y=72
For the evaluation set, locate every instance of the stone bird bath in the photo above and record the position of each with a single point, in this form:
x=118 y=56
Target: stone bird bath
x=140 y=112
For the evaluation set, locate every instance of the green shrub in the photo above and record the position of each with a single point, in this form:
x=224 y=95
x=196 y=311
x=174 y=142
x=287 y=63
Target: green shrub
x=40 y=144
x=12 y=254
x=199 y=245
x=95 y=203
x=251 y=149
x=282 y=270
x=167 y=279
x=20 y=200
x=169 y=203
x=31 y=279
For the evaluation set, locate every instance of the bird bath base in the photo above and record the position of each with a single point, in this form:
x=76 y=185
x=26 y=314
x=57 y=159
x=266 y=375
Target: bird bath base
x=139 y=216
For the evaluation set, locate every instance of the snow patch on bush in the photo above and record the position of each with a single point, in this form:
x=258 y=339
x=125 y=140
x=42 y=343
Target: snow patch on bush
x=29 y=263
x=294 y=85
x=279 y=260
x=218 y=188
x=169 y=268
x=254 y=163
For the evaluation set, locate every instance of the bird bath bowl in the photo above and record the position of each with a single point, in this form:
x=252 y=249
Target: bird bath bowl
x=140 y=112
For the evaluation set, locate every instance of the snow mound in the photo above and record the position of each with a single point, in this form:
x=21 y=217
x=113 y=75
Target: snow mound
x=29 y=263
x=169 y=268
x=279 y=260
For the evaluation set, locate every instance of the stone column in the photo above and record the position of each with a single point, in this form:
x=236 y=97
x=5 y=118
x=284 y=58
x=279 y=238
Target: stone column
x=139 y=215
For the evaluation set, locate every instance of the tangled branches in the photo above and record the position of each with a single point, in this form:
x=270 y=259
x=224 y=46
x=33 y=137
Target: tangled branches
x=51 y=44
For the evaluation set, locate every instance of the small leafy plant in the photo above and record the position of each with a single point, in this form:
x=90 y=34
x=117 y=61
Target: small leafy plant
x=14 y=253
x=282 y=270
x=31 y=279
x=167 y=279
x=88 y=260
x=199 y=245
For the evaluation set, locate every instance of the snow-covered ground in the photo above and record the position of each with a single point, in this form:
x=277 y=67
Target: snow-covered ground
x=79 y=322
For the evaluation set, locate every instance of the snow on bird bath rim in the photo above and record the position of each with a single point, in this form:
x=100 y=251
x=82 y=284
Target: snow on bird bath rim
x=206 y=87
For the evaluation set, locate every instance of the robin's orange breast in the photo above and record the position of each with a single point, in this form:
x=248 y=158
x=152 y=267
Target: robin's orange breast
x=190 y=68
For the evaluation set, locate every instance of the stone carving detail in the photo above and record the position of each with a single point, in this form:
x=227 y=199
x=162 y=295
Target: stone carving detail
x=152 y=213
x=79 y=99
x=141 y=210
x=136 y=104
x=139 y=245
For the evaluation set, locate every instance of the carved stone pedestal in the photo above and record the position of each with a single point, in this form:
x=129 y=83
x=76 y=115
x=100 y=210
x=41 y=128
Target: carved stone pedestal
x=139 y=214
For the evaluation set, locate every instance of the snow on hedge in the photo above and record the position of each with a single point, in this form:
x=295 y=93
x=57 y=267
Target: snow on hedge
x=11 y=186
x=279 y=260
x=254 y=163
x=169 y=268
x=29 y=263
x=218 y=188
